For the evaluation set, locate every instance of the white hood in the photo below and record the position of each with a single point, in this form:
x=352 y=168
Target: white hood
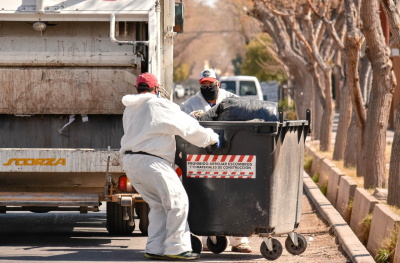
x=129 y=100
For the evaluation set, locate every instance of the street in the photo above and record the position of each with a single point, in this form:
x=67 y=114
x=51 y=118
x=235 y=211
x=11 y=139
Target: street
x=70 y=236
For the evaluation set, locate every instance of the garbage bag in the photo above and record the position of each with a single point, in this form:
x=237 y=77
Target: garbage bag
x=241 y=109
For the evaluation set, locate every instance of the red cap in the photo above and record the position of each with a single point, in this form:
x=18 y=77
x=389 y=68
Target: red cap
x=148 y=78
x=207 y=79
x=208 y=75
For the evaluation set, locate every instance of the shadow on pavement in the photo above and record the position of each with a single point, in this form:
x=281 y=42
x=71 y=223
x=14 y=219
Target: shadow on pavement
x=71 y=237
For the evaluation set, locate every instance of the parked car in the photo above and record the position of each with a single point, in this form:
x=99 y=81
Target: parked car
x=179 y=91
x=243 y=86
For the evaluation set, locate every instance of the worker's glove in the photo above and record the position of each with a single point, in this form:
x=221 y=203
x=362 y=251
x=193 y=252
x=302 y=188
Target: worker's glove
x=211 y=148
x=197 y=114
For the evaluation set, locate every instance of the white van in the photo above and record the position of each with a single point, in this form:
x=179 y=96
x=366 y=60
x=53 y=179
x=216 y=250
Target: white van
x=243 y=86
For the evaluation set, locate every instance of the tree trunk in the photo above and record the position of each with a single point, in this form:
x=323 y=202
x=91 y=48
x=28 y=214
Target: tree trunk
x=303 y=92
x=350 y=154
x=319 y=101
x=391 y=9
x=353 y=44
x=344 y=122
x=339 y=81
x=383 y=84
x=316 y=122
x=365 y=73
x=308 y=93
x=394 y=172
x=375 y=134
x=365 y=77
x=327 y=115
x=360 y=155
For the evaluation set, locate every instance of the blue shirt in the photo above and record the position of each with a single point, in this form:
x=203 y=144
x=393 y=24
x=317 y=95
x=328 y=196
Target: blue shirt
x=211 y=104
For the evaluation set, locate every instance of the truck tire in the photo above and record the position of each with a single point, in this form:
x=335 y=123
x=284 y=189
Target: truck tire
x=41 y=210
x=142 y=210
x=116 y=225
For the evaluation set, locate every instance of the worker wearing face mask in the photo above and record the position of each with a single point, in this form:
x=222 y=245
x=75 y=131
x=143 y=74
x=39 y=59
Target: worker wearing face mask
x=210 y=95
x=150 y=125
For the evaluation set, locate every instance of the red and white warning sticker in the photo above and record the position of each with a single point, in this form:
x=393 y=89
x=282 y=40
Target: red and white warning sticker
x=221 y=166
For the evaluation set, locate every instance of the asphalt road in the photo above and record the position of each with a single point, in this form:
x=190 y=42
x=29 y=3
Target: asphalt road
x=74 y=237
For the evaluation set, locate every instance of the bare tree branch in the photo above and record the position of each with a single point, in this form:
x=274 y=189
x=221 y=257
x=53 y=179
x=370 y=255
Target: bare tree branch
x=392 y=13
x=313 y=9
x=301 y=37
x=274 y=11
x=354 y=40
x=271 y=51
x=269 y=67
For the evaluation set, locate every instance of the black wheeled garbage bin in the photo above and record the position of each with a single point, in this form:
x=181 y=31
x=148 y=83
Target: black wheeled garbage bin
x=251 y=185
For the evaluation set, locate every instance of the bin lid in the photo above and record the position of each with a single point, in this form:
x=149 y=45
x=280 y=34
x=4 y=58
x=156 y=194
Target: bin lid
x=264 y=123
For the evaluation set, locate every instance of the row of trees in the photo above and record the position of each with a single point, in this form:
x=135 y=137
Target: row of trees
x=318 y=39
x=215 y=34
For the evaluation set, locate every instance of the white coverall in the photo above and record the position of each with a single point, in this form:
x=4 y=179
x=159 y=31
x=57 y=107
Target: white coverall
x=197 y=103
x=150 y=125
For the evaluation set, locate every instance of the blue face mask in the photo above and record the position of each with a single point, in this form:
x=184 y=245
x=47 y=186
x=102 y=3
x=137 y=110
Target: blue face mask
x=158 y=94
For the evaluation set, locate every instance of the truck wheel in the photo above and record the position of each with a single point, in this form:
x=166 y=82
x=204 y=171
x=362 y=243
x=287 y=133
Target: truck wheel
x=41 y=209
x=222 y=244
x=116 y=225
x=296 y=250
x=142 y=210
x=197 y=246
x=276 y=250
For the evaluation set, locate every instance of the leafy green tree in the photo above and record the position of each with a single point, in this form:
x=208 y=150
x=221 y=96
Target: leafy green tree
x=181 y=72
x=259 y=61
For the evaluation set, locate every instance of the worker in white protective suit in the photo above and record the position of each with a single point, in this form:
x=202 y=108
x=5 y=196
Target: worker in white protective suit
x=150 y=125
x=210 y=95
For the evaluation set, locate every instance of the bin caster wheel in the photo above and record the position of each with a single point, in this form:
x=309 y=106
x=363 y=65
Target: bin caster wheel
x=276 y=250
x=197 y=246
x=296 y=250
x=220 y=246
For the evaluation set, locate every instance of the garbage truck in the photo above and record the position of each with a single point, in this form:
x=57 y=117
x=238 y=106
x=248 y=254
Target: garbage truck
x=64 y=67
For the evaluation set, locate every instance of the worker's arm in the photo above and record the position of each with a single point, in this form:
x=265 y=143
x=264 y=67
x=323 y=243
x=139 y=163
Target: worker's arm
x=188 y=110
x=177 y=122
x=185 y=108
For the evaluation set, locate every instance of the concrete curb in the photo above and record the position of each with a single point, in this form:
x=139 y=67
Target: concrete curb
x=347 y=239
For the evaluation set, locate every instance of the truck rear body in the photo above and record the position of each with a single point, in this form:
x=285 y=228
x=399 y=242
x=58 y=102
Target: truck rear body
x=61 y=91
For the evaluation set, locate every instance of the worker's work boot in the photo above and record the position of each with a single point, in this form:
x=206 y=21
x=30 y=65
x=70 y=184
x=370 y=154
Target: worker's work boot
x=242 y=248
x=184 y=256
x=156 y=257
